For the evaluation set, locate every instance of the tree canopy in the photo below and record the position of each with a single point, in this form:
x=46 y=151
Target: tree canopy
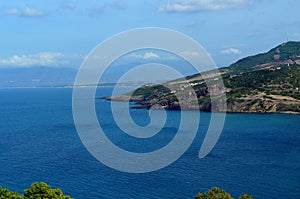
x=36 y=191
x=217 y=193
x=5 y=193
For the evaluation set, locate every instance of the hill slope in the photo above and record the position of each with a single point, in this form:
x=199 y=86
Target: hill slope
x=284 y=54
x=267 y=82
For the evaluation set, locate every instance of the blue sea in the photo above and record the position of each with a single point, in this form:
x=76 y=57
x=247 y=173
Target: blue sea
x=258 y=154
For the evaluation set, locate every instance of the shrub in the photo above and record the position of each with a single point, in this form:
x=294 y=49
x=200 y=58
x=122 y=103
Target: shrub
x=217 y=193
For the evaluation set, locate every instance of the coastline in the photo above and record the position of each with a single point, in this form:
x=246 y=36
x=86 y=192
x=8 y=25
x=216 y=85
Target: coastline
x=139 y=104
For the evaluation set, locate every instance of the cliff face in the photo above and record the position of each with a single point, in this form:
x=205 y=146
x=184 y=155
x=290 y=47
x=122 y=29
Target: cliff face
x=260 y=106
x=264 y=83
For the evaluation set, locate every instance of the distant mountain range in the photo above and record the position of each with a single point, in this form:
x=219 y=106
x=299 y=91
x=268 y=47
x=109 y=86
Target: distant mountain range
x=36 y=77
x=267 y=83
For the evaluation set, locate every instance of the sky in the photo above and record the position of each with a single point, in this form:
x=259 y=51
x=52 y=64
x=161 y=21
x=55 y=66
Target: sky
x=60 y=33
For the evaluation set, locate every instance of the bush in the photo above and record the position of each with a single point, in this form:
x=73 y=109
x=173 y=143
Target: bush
x=245 y=196
x=217 y=193
x=42 y=191
x=36 y=191
x=6 y=194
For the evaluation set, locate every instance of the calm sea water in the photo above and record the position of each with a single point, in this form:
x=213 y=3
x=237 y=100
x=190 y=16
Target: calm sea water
x=256 y=154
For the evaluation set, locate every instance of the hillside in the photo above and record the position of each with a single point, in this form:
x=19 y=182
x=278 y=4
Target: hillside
x=284 y=54
x=267 y=83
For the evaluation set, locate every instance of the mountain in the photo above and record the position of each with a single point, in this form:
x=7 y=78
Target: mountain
x=284 y=54
x=267 y=83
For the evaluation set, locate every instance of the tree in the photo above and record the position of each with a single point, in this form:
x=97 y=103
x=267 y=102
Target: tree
x=214 y=193
x=7 y=194
x=245 y=196
x=217 y=193
x=43 y=191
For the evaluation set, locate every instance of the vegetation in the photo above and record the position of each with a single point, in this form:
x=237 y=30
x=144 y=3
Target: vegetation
x=36 y=191
x=217 y=193
x=267 y=82
x=281 y=53
x=43 y=191
x=6 y=194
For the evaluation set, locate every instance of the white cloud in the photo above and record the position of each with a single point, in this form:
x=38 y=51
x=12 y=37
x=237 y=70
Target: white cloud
x=99 y=9
x=120 y=5
x=231 y=51
x=12 y=11
x=68 y=6
x=200 y=5
x=190 y=54
x=26 y=12
x=31 y=12
x=134 y=56
x=39 y=59
x=150 y=55
x=145 y=56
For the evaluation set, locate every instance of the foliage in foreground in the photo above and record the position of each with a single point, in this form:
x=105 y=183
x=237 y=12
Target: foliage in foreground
x=5 y=193
x=217 y=193
x=36 y=191
x=43 y=191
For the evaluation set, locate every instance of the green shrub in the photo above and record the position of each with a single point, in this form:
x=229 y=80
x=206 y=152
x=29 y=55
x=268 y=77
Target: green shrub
x=217 y=193
x=36 y=191
x=7 y=194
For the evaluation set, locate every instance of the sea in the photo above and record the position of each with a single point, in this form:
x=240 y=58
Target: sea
x=257 y=154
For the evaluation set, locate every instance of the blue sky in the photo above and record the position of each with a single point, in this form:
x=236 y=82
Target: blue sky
x=60 y=33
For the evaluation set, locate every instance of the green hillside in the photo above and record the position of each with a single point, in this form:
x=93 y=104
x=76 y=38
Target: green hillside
x=267 y=82
x=284 y=54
